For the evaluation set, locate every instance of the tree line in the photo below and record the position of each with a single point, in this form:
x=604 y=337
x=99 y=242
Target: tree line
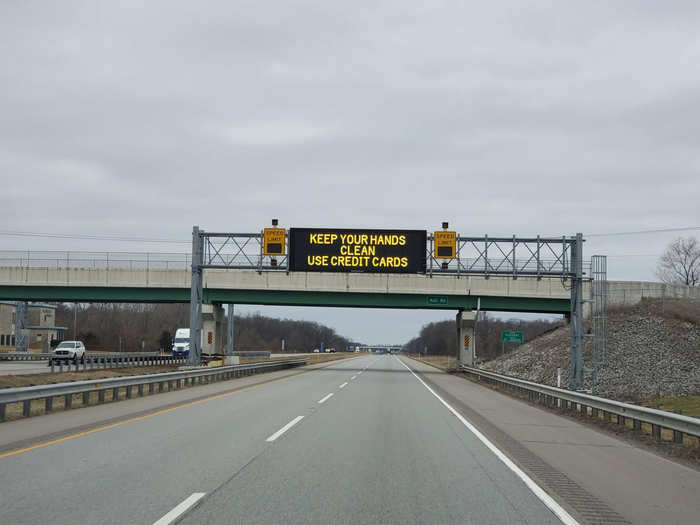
x=151 y=327
x=440 y=338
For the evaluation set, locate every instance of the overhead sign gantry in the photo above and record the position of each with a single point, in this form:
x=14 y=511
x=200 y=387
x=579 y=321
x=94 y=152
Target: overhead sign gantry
x=391 y=251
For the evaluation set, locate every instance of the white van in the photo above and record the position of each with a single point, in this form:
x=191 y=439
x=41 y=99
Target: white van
x=181 y=344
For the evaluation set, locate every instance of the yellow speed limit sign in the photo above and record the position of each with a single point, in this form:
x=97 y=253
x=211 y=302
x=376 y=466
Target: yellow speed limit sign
x=274 y=241
x=445 y=244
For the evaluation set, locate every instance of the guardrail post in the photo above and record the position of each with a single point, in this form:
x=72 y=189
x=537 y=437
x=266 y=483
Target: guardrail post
x=100 y=396
x=656 y=432
x=129 y=389
x=115 y=394
x=2 y=411
x=53 y=366
x=84 y=363
x=677 y=436
x=606 y=416
x=151 y=387
x=68 y=401
x=86 y=398
x=48 y=404
x=594 y=413
x=26 y=408
x=141 y=390
x=60 y=367
x=636 y=424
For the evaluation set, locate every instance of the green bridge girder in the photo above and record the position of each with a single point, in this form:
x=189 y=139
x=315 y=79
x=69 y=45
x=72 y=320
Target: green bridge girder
x=284 y=298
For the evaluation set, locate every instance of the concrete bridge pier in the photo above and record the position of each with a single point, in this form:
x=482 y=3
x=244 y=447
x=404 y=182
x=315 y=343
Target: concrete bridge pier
x=466 y=321
x=213 y=329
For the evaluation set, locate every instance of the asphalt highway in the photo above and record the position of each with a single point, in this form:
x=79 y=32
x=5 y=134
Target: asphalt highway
x=360 y=441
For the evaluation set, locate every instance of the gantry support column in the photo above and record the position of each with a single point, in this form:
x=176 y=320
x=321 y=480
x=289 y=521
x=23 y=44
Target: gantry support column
x=576 y=321
x=195 y=355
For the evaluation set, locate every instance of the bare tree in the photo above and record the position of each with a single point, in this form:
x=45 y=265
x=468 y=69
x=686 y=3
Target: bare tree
x=680 y=263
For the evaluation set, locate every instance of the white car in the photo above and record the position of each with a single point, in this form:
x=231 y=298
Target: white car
x=69 y=351
x=316 y=351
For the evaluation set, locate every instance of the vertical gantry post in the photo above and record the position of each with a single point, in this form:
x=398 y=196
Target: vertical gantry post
x=195 y=356
x=576 y=258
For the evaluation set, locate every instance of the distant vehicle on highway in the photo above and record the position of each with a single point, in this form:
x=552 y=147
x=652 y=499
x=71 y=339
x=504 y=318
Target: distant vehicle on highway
x=68 y=351
x=181 y=344
x=316 y=351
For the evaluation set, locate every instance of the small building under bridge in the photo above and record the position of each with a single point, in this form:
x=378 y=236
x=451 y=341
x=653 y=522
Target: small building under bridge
x=39 y=327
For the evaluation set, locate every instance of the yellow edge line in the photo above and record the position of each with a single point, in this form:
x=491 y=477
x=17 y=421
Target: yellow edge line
x=139 y=418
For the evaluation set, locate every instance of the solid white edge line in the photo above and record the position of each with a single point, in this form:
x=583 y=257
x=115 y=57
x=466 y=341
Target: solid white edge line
x=180 y=509
x=343 y=385
x=284 y=428
x=538 y=491
x=320 y=401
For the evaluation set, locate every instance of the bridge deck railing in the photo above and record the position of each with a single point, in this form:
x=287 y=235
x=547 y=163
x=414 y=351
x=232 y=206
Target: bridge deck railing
x=478 y=265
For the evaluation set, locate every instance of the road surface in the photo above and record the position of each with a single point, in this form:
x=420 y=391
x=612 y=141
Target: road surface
x=359 y=441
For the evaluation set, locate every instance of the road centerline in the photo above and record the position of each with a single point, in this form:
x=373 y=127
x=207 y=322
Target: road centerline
x=180 y=509
x=325 y=398
x=284 y=429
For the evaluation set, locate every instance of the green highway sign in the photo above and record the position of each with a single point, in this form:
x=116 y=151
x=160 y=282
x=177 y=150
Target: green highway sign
x=437 y=299
x=509 y=336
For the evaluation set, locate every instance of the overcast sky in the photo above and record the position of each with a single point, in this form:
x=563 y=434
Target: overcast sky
x=141 y=119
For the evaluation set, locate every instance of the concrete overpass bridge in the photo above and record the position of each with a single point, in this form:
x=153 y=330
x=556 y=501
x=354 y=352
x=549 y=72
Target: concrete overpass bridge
x=144 y=283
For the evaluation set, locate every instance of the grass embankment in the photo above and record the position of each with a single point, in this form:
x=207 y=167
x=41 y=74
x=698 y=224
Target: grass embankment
x=686 y=405
x=12 y=381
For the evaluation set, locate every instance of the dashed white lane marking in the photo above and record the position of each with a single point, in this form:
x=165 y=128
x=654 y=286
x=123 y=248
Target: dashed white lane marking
x=180 y=509
x=321 y=401
x=545 y=498
x=360 y=372
x=353 y=377
x=344 y=385
x=284 y=428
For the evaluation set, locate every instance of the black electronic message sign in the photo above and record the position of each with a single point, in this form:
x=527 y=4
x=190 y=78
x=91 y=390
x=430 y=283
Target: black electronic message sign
x=369 y=251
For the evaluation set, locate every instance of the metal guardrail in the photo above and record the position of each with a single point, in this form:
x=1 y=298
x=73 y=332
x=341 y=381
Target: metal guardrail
x=96 y=361
x=29 y=356
x=47 y=393
x=571 y=400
